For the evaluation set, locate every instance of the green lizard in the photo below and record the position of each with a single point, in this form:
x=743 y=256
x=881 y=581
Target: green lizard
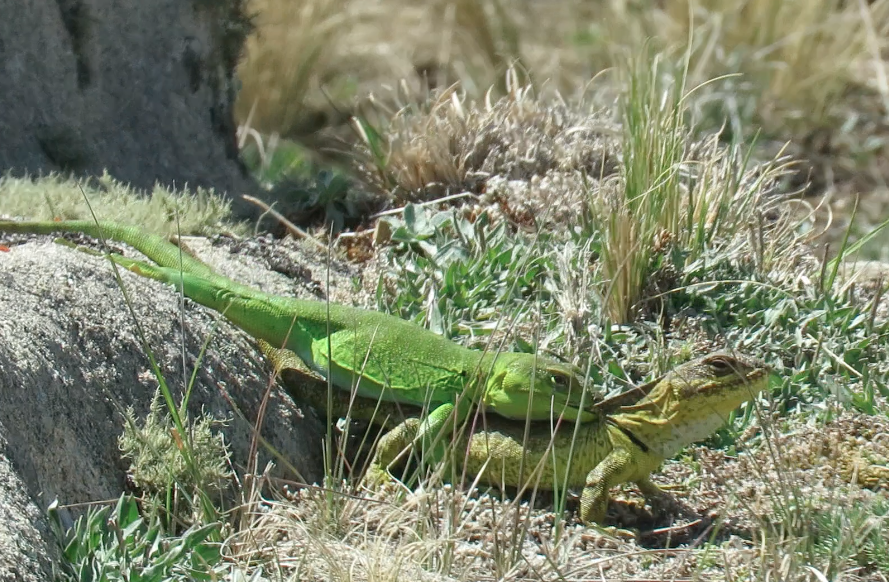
x=377 y=355
x=624 y=444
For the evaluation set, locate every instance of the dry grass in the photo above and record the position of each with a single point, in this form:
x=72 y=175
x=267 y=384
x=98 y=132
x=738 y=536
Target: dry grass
x=798 y=58
x=303 y=53
x=674 y=190
x=770 y=513
x=456 y=144
x=645 y=183
x=307 y=59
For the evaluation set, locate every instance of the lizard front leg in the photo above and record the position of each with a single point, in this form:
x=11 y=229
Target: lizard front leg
x=660 y=499
x=616 y=468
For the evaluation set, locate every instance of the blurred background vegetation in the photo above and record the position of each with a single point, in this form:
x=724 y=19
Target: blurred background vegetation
x=803 y=77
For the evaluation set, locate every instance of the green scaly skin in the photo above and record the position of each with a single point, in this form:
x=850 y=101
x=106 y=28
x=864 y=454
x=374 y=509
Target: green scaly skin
x=377 y=355
x=625 y=443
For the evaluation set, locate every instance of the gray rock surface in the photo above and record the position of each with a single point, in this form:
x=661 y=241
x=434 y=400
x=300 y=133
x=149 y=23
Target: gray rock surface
x=25 y=553
x=70 y=359
x=144 y=89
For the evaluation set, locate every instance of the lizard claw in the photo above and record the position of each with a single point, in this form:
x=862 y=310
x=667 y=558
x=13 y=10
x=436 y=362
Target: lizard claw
x=376 y=477
x=614 y=532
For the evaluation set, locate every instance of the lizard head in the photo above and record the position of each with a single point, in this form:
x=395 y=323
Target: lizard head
x=689 y=403
x=720 y=378
x=555 y=388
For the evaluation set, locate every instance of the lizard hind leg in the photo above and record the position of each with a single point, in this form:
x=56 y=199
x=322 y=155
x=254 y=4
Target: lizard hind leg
x=144 y=269
x=423 y=444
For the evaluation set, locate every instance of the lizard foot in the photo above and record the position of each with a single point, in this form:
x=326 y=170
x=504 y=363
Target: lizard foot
x=376 y=478
x=613 y=532
x=661 y=498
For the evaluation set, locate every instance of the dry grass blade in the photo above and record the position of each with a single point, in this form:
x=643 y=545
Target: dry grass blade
x=799 y=57
x=672 y=192
x=305 y=53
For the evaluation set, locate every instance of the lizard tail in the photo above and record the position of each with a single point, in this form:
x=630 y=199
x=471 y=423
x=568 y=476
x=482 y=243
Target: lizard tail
x=156 y=248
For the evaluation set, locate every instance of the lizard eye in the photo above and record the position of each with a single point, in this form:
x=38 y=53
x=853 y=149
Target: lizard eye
x=722 y=366
x=559 y=381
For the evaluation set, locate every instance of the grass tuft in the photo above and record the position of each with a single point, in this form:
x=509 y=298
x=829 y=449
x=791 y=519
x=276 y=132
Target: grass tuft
x=164 y=211
x=170 y=483
x=455 y=144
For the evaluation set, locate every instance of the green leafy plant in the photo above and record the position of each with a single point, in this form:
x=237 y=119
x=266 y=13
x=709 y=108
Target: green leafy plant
x=118 y=544
x=459 y=276
x=327 y=197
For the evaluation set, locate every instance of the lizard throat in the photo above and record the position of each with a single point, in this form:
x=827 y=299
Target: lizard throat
x=667 y=422
x=629 y=434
